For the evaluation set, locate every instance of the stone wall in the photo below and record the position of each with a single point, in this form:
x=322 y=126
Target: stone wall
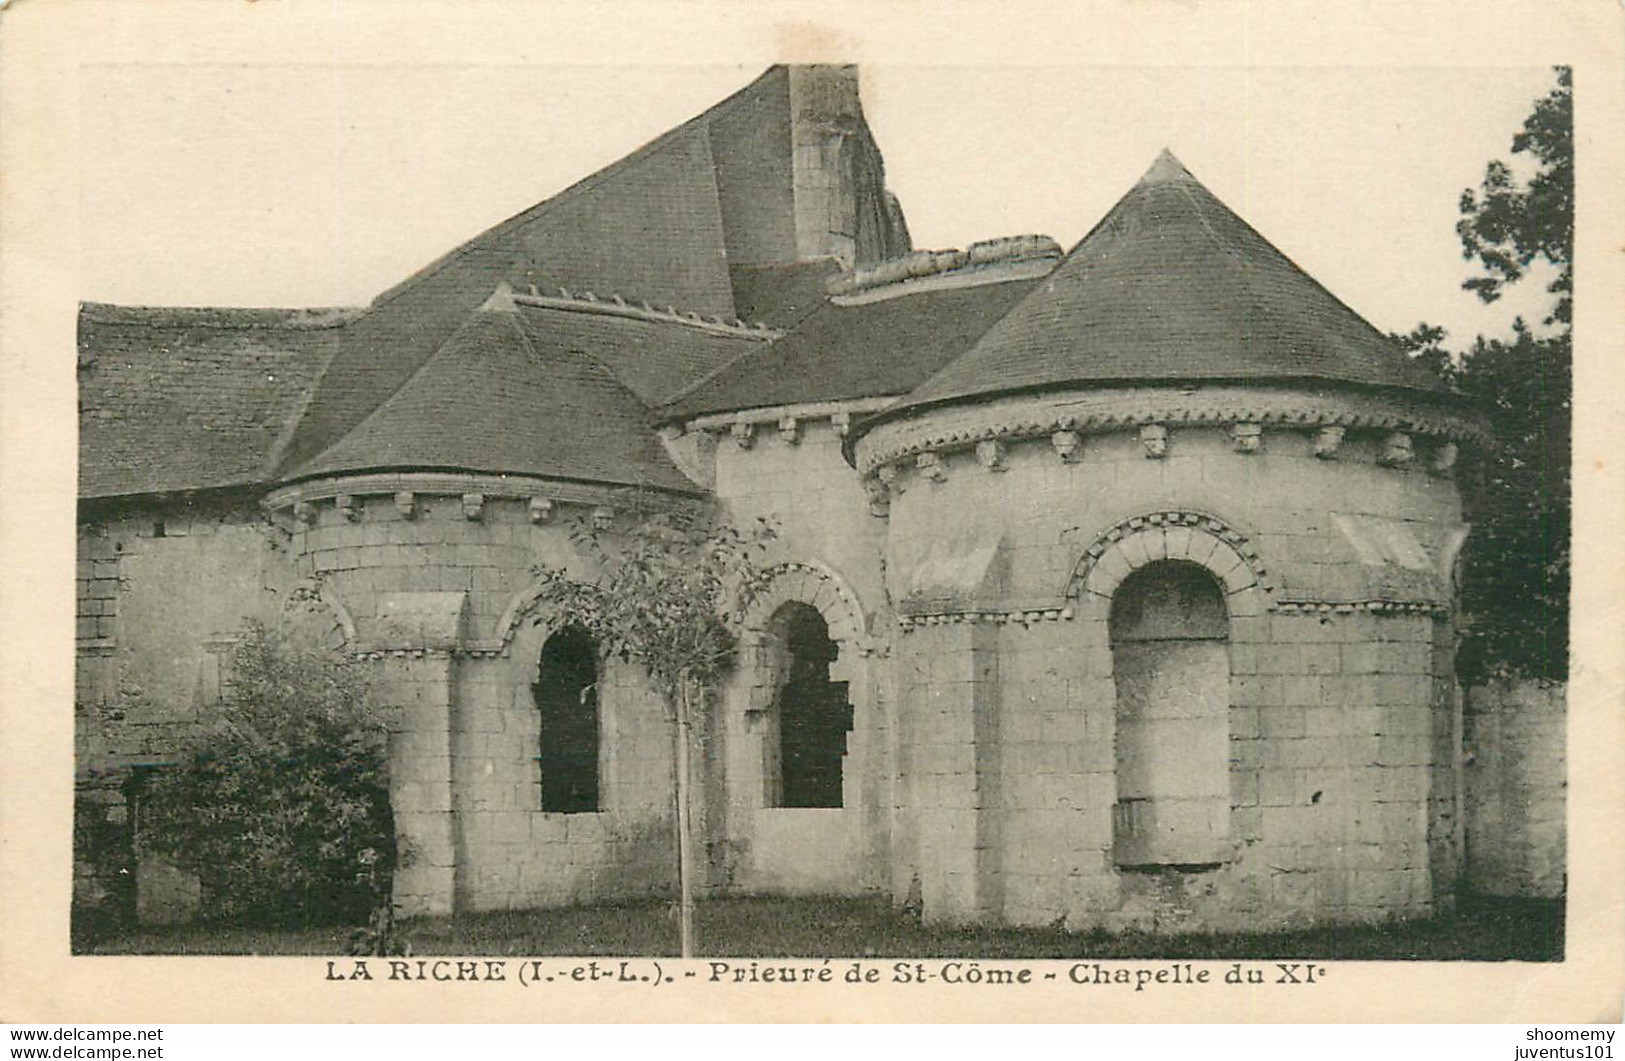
x=436 y=590
x=790 y=471
x=970 y=600
x=1342 y=720
x=163 y=591
x=441 y=590
x=514 y=855
x=1516 y=789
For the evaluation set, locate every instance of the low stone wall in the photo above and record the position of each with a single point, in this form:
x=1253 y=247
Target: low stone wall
x=1516 y=789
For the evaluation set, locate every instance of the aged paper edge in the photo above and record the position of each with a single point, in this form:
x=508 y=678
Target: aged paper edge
x=44 y=45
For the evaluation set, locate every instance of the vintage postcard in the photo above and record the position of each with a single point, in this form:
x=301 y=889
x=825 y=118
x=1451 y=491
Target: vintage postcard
x=541 y=512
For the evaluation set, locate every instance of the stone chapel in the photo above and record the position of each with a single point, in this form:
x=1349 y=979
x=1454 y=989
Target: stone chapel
x=1113 y=586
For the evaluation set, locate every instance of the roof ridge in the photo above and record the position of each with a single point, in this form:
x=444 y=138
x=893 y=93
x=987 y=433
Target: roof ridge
x=593 y=360
x=266 y=318
x=285 y=436
x=567 y=301
x=586 y=183
x=1269 y=245
x=664 y=410
x=383 y=403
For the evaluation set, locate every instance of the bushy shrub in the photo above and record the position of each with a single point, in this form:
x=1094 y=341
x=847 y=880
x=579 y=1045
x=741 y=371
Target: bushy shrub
x=280 y=804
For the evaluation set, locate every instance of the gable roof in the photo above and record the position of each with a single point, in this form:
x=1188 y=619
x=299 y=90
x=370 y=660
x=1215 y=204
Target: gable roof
x=503 y=398
x=182 y=399
x=648 y=227
x=865 y=350
x=703 y=218
x=1172 y=286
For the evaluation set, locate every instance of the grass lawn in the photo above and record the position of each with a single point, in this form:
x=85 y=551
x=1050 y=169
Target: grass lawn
x=1482 y=930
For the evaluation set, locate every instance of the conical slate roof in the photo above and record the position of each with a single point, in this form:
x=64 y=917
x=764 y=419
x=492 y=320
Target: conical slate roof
x=498 y=397
x=1172 y=286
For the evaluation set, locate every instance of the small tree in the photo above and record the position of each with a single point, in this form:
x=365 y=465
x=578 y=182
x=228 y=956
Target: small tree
x=280 y=803
x=669 y=596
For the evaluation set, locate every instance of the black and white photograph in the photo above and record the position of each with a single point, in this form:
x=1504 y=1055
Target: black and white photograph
x=952 y=523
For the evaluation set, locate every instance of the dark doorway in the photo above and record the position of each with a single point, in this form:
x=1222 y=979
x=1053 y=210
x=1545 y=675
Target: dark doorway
x=814 y=716
x=567 y=699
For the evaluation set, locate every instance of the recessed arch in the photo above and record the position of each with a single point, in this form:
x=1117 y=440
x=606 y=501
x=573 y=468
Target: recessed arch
x=1181 y=535
x=1169 y=629
x=822 y=589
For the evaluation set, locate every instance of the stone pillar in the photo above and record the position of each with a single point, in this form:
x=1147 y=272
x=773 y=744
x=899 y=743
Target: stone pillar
x=953 y=759
x=416 y=634
x=420 y=782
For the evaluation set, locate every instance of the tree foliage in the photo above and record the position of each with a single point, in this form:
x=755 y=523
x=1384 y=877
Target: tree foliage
x=1517 y=495
x=1516 y=576
x=280 y=804
x=1426 y=344
x=667 y=595
x=1509 y=223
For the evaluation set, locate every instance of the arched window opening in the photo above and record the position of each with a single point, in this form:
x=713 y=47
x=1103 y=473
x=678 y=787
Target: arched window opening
x=1170 y=659
x=566 y=694
x=807 y=746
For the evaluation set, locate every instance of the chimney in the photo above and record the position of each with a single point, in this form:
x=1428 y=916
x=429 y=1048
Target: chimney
x=841 y=205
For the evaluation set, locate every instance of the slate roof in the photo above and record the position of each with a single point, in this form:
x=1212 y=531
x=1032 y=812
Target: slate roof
x=646 y=228
x=185 y=399
x=502 y=397
x=182 y=399
x=1172 y=286
x=782 y=295
x=859 y=351
x=654 y=359
x=650 y=227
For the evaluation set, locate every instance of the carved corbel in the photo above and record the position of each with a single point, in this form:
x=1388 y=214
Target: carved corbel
x=1445 y=457
x=992 y=454
x=1154 y=439
x=790 y=431
x=405 y=504
x=541 y=510
x=1247 y=436
x=1328 y=440
x=1397 y=450
x=473 y=506
x=1068 y=445
x=347 y=507
x=744 y=434
x=930 y=466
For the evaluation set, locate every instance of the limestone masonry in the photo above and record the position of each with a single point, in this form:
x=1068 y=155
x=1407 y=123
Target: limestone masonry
x=1114 y=586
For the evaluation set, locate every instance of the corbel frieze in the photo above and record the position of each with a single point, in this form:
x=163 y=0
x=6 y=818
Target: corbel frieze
x=1245 y=414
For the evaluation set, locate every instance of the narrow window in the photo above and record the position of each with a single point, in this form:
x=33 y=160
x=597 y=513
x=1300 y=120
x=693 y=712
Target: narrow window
x=567 y=700
x=807 y=747
x=1170 y=660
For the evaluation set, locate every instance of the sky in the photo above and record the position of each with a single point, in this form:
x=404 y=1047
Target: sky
x=313 y=184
